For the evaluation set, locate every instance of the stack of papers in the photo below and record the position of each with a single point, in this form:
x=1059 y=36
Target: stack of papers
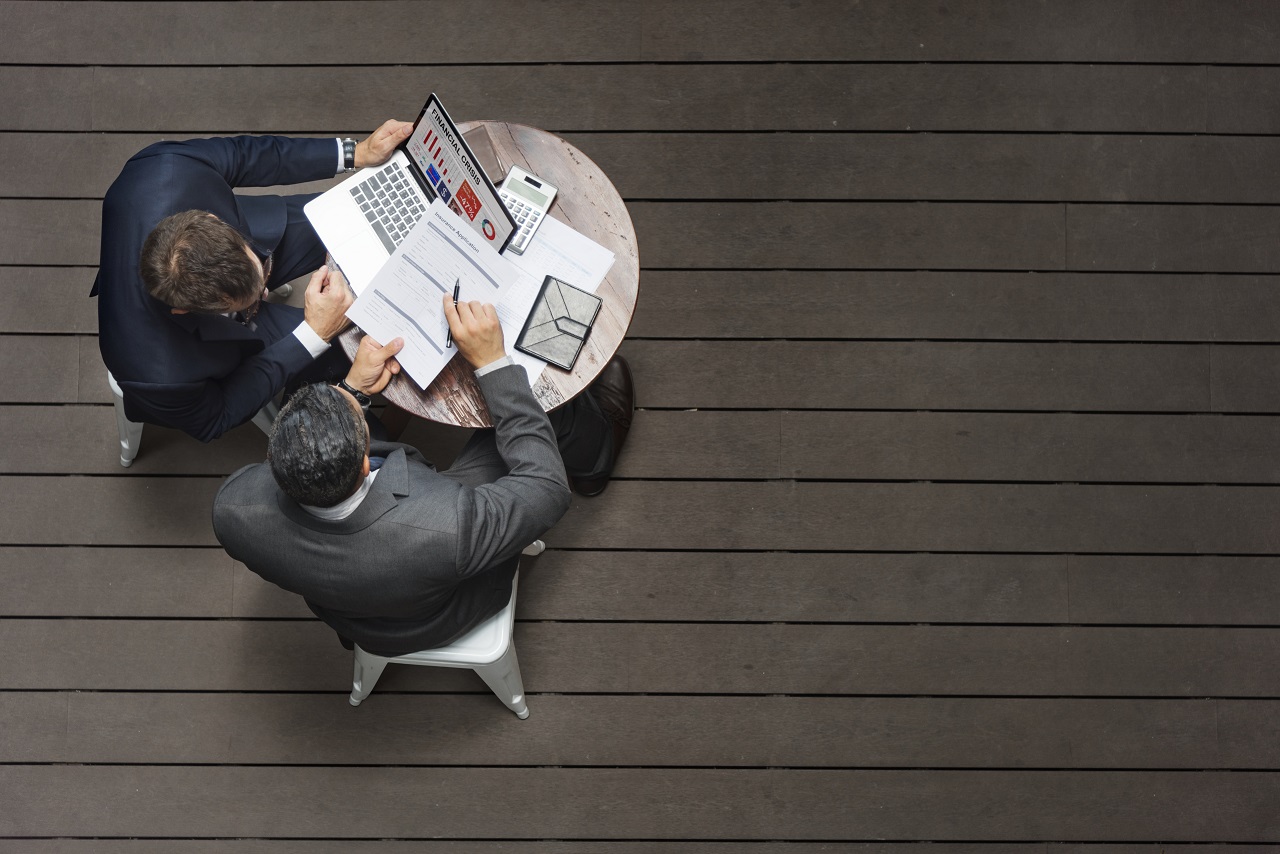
x=405 y=299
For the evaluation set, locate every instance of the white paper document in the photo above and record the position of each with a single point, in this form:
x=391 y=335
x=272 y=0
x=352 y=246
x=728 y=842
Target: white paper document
x=556 y=250
x=404 y=300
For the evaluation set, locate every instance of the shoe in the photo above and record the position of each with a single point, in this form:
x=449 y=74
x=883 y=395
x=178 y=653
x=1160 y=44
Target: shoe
x=616 y=394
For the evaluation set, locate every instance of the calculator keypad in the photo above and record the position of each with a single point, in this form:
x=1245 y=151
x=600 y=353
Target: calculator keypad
x=526 y=217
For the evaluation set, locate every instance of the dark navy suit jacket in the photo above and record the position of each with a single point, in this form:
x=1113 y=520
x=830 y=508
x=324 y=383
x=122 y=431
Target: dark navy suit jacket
x=198 y=373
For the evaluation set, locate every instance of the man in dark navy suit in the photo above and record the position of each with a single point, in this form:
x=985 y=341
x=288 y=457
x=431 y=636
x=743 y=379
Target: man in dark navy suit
x=186 y=262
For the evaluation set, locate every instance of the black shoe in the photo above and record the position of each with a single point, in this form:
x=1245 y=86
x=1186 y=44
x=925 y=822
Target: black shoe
x=616 y=394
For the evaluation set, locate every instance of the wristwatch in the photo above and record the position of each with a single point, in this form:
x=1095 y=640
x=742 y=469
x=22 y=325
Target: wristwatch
x=348 y=155
x=361 y=398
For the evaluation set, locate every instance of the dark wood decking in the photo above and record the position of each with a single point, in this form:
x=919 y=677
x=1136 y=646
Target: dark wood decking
x=949 y=522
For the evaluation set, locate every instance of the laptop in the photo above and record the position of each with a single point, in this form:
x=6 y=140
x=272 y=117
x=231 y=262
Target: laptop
x=362 y=220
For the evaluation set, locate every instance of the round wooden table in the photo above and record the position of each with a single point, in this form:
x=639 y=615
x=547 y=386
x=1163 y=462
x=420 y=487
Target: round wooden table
x=588 y=202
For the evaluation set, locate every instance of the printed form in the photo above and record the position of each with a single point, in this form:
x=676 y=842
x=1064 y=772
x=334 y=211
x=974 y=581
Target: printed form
x=404 y=299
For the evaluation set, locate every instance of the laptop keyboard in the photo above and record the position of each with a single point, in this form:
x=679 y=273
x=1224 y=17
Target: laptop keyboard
x=390 y=203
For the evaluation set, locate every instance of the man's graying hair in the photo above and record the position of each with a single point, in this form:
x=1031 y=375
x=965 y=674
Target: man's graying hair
x=197 y=262
x=317 y=446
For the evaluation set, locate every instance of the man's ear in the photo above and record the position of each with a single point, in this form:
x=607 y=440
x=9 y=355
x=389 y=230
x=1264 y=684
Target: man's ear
x=364 y=470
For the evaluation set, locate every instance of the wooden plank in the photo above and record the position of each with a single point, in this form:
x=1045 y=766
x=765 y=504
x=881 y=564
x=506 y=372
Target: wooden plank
x=872 y=166
x=48 y=299
x=156 y=511
x=1195 y=590
x=1237 y=98
x=952 y=304
x=1245 y=379
x=681 y=658
x=757 y=516
x=1247 y=308
x=761 y=97
x=88 y=443
x=91 y=383
x=1073 y=31
x=701 y=586
x=578 y=585
x=732 y=732
x=942 y=166
x=1077 y=31
x=1020 y=446
x=916 y=375
x=744 y=234
x=926 y=517
x=1178 y=238
x=60 y=232
x=50 y=371
x=700 y=444
x=825 y=304
x=98 y=582
x=1247 y=733
x=560 y=846
x=911 y=235
x=178 y=34
x=704 y=804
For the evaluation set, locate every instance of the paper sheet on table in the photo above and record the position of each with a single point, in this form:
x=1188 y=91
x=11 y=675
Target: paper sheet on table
x=404 y=299
x=556 y=250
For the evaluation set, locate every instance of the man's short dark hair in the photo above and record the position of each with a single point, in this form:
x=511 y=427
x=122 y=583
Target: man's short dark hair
x=317 y=446
x=196 y=262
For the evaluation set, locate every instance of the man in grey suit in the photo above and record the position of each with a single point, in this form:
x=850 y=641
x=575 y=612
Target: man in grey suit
x=390 y=553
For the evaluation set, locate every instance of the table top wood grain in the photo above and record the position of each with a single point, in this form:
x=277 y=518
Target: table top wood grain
x=587 y=201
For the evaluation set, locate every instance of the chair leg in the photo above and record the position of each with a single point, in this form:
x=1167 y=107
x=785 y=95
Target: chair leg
x=130 y=431
x=503 y=679
x=368 y=669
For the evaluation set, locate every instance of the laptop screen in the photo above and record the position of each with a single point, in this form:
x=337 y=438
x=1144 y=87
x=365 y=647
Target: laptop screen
x=442 y=156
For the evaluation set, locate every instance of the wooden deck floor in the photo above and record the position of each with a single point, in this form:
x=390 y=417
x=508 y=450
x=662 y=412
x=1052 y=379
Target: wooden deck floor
x=949 y=522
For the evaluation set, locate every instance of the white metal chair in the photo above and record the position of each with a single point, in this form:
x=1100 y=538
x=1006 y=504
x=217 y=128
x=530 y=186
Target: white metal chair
x=488 y=649
x=131 y=431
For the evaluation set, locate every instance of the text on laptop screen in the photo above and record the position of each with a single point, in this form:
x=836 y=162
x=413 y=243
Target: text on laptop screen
x=438 y=150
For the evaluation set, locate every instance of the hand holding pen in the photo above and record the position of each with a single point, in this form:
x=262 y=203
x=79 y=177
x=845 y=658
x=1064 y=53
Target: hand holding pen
x=476 y=330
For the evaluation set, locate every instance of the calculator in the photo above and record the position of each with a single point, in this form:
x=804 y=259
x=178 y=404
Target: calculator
x=528 y=197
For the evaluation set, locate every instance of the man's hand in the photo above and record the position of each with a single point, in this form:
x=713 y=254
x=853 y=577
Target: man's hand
x=382 y=143
x=326 y=304
x=374 y=365
x=476 y=331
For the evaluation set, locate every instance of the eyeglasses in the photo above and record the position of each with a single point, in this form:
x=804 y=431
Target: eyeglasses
x=247 y=315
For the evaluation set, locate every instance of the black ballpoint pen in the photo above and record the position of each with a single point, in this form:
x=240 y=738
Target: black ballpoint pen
x=457 y=287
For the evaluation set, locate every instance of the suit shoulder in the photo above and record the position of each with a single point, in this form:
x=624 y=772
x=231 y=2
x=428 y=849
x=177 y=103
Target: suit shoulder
x=252 y=484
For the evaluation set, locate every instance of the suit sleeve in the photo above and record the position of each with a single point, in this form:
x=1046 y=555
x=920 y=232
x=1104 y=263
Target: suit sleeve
x=505 y=516
x=257 y=161
x=209 y=408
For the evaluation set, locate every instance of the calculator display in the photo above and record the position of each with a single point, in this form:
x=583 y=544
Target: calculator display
x=522 y=189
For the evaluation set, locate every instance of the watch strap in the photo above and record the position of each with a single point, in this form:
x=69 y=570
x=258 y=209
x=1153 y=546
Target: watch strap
x=361 y=398
x=349 y=154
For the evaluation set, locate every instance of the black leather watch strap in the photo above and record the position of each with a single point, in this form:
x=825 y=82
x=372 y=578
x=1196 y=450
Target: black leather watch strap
x=361 y=398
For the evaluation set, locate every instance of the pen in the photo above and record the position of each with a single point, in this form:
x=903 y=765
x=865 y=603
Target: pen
x=457 y=287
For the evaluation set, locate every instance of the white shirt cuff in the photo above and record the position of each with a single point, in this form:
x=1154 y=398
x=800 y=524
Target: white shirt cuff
x=494 y=365
x=308 y=338
x=342 y=160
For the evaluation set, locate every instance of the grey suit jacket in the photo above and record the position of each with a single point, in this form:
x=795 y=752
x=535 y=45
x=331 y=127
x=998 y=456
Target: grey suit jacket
x=426 y=556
